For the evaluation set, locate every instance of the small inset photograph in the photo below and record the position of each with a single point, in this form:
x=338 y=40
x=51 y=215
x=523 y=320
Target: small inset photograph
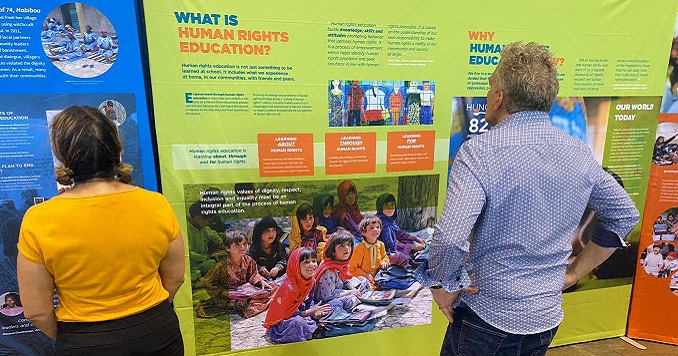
x=79 y=40
x=380 y=103
x=665 y=226
x=659 y=259
x=114 y=111
x=259 y=253
x=666 y=144
x=11 y=304
x=673 y=283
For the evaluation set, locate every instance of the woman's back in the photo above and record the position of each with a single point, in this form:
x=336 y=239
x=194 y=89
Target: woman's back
x=103 y=251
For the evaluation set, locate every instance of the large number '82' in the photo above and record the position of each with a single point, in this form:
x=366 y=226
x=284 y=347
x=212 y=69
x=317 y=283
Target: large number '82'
x=478 y=126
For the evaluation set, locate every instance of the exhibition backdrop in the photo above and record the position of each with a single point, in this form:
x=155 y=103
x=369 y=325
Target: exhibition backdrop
x=655 y=288
x=260 y=107
x=43 y=71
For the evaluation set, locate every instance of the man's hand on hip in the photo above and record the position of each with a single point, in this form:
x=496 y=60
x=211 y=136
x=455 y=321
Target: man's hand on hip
x=445 y=299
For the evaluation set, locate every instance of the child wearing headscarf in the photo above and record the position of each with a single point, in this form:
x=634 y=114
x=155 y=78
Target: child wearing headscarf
x=400 y=245
x=347 y=213
x=292 y=312
x=305 y=231
x=332 y=277
x=322 y=208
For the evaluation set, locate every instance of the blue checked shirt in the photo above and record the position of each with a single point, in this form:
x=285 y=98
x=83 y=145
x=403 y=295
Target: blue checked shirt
x=515 y=196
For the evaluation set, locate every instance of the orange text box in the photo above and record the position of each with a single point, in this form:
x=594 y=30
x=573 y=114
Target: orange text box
x=347 y=153
x=410 y=151
x=285 y=155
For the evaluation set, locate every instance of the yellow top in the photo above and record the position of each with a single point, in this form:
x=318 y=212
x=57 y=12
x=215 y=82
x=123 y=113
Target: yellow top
x=367 y=258
x=103 y=251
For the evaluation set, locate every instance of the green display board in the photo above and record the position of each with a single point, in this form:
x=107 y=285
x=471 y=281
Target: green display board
x=268 y=104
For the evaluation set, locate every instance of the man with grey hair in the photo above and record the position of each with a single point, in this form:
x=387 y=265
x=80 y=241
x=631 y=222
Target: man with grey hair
x=495 y=269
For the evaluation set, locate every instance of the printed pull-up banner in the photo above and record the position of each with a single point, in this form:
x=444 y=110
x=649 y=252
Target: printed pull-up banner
x=288 y=120
x=55 y=54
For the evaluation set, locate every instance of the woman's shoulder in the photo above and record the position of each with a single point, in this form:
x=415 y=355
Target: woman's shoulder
x=46 y=207
x=148 y=198
x=147 y=193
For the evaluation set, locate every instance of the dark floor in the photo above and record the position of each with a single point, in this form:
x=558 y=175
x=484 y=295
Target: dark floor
x=613 y=347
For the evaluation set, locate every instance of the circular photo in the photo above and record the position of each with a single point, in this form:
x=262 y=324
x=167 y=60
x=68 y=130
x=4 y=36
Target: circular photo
x=665 y=226
x=79 y=40
x=11 y=304
x=114 y=111
x=659 y=259
x=673 y=283
x=666 y=144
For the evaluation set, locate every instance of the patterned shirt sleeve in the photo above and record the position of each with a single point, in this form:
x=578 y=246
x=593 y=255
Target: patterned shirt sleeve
x=464 y=203
x=617 y=215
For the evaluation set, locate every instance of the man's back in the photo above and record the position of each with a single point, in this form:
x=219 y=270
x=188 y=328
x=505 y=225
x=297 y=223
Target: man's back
x=536 y=182
x=515 y=196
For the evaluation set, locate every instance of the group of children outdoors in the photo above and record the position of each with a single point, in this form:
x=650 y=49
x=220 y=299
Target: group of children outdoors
x=72 y=46
x=334 y=254
x=51 y=28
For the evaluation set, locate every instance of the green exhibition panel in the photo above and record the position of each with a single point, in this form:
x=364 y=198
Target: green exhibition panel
x=261 y=106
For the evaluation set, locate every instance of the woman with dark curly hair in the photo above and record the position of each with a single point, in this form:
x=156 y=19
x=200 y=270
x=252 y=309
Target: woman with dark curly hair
x=112 y=251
